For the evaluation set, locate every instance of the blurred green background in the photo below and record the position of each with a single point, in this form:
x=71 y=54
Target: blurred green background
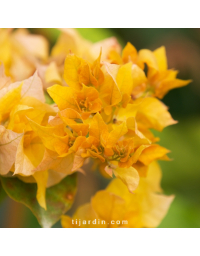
x=181 y=176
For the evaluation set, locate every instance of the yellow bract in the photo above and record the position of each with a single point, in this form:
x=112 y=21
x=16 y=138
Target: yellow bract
x=105 y=105
x=116 y=207
x=21 y=51
x=84 y=101
x=159 y=79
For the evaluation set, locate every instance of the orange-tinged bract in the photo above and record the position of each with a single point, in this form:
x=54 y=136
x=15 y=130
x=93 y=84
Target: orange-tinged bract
x=104 y=109
x=159 y=79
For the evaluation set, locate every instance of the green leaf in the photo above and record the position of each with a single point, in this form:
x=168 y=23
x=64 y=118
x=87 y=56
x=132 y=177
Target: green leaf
x=59 y=198
x=48 y=99
x=2 y=193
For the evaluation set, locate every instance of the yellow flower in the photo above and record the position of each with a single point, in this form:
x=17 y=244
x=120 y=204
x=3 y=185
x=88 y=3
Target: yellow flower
x=84 y=101
x=115 y=207
x=105 y=107
x=22 y=100
x=149 y=113
x=71 y=40
x=74 y=120
x=21 y=150
x=20 y=52
x=78 y=71
x=159 y=79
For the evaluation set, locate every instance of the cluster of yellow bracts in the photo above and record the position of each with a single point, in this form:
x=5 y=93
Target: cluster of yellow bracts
x=104 y=107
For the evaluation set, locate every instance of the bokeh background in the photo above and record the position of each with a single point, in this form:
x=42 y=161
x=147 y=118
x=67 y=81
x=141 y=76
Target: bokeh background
x=180 y=176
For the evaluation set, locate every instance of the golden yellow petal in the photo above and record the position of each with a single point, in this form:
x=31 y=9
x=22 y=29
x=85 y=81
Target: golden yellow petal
x=41 y=179
x=129 y=177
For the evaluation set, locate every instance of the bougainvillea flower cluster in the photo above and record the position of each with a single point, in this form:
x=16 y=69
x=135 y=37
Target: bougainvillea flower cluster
x=105 y=103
